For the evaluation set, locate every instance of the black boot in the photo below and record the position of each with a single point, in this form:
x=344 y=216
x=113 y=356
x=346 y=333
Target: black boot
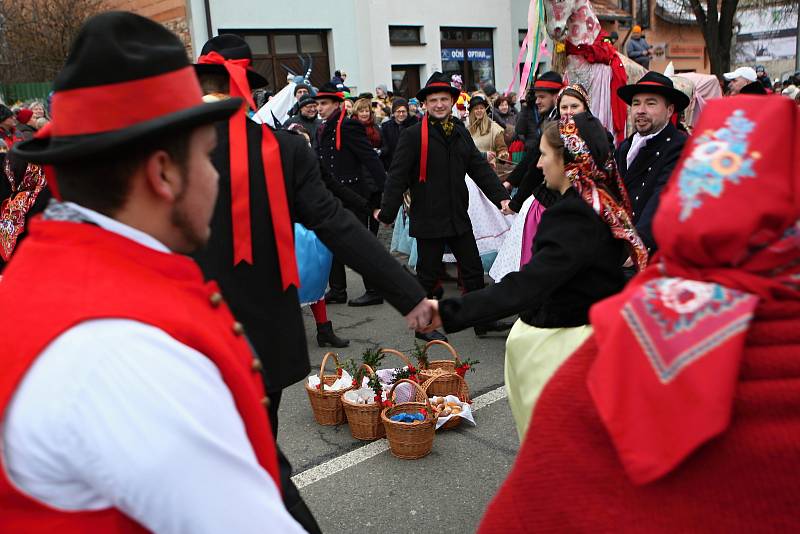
x=369 y=298
x=434 y=335
x=326 y=336
x=494 y=326
x=336 y=296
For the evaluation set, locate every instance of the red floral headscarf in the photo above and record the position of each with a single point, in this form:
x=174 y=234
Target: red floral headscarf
x=603 y=189
x=728 y=229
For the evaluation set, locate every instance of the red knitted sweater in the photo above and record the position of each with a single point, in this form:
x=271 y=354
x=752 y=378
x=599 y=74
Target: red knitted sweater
x=567 y=477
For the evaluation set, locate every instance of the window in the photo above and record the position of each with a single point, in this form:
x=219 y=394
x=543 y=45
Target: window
x=311 y=43
x=259 y=44
x=626 y=6
x=404 y=35
x=470 y=53
x=285 y=44
x=277 y=52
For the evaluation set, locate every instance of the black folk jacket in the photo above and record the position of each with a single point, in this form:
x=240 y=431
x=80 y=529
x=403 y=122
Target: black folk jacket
x=647 y=176
x=271 y=317
x=576 y=262
x=438 y=205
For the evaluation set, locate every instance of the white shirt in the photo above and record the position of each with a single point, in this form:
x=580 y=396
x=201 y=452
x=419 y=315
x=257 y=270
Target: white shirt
x=637 y=143
x=116 y=413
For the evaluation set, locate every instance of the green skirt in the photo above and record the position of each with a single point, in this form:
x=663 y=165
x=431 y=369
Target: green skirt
x=533 y=355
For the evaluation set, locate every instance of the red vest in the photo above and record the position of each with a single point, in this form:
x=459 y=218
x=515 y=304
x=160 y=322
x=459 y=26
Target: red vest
x=66 y=273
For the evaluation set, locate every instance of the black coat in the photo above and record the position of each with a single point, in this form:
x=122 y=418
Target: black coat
x=576 y=262
x=527 y=127
x=648 y=175
x=439 y=205
x=390 y=133
x=272 y=317
x=357 y=164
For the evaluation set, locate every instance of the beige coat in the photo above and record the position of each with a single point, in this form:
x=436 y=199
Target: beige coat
x=492 y=141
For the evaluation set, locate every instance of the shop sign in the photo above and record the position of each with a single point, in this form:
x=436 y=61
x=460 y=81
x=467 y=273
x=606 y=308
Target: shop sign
x=685 y=51
x=479 y=54
x=452 y=54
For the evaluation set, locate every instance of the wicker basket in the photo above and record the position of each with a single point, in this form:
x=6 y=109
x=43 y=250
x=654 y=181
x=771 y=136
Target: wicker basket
x=463 y=396
x=451 y=383
x=364 y=419
x=410 y=441
x=326 y=404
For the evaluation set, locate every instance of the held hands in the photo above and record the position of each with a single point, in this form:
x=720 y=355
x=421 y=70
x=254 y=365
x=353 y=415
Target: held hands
x=504 y=207
x=422 y=315
x=428 y=319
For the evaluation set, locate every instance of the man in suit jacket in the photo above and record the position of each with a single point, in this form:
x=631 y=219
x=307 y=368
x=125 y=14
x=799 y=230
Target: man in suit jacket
x=345 y=152
x=256 y=290
x=646 y=159
x=432 y=159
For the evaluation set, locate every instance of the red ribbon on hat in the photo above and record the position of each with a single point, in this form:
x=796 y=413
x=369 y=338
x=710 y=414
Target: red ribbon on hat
x=240 y=177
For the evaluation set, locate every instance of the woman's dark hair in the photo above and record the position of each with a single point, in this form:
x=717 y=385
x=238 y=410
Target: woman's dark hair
x=574 y=94
x=101 y=183
x=500 y=100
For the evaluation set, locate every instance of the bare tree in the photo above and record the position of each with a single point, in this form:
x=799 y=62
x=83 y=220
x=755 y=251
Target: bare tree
x=717 y=21
x=36 y=35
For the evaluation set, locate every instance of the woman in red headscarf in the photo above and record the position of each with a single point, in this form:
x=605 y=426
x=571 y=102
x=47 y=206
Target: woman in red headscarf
x=682 y=412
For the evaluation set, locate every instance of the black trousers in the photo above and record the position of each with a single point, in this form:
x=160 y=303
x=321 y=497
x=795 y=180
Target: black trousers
x=291 y=496
x=338 y=279
x=463 y=247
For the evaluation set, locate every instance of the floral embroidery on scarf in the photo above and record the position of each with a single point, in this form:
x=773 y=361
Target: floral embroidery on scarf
x=718 y=156
x=14 y=209
x=676 y=321
x=594 y=185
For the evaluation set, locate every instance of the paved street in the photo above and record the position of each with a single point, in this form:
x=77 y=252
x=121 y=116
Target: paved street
x=354 y=486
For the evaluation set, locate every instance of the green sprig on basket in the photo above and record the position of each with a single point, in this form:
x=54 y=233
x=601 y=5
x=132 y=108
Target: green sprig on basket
x=418 y=352
x=373 y=357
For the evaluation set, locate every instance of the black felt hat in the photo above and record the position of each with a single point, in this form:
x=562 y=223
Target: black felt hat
x=305 y=100
x=549 y=81
x=437 y=83
x=230 y=46
x=654 y=82
x=478 y=100
x=126 y=78
x=328 y=90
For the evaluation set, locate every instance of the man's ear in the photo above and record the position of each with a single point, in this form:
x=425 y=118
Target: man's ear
x=163 y=176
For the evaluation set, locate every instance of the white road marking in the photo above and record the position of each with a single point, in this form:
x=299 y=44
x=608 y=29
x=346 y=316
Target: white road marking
x=355 y=457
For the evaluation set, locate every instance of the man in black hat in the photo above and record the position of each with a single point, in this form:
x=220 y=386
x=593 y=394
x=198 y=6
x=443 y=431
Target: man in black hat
x=526 y=176
x=540 y=101
x=257 y=289
x=308 y=117
x=345 y=152
x=431 y=160
x=135 y=403
x=646 y=159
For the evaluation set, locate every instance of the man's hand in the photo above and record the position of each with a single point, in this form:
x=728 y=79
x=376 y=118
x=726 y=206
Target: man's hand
x=509 y=186
x=504 y=207
x=421 y=316
x=436 y=319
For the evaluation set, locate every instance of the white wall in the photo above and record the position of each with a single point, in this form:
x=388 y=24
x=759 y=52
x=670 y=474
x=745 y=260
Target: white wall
x=360 y=30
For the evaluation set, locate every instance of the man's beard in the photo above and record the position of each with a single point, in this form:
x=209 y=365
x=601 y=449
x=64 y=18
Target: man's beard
x=181 y=220
x=651 y=129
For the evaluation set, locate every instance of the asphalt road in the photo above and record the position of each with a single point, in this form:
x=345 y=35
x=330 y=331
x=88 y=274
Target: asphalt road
x=354 y=486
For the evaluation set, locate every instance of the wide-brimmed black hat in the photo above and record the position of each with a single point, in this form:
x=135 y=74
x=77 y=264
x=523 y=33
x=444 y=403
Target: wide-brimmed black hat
x=653 y=82
x=328 y=90
x=230 y=46
x=126 y=78
x=437 y=83
x=549 y=81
